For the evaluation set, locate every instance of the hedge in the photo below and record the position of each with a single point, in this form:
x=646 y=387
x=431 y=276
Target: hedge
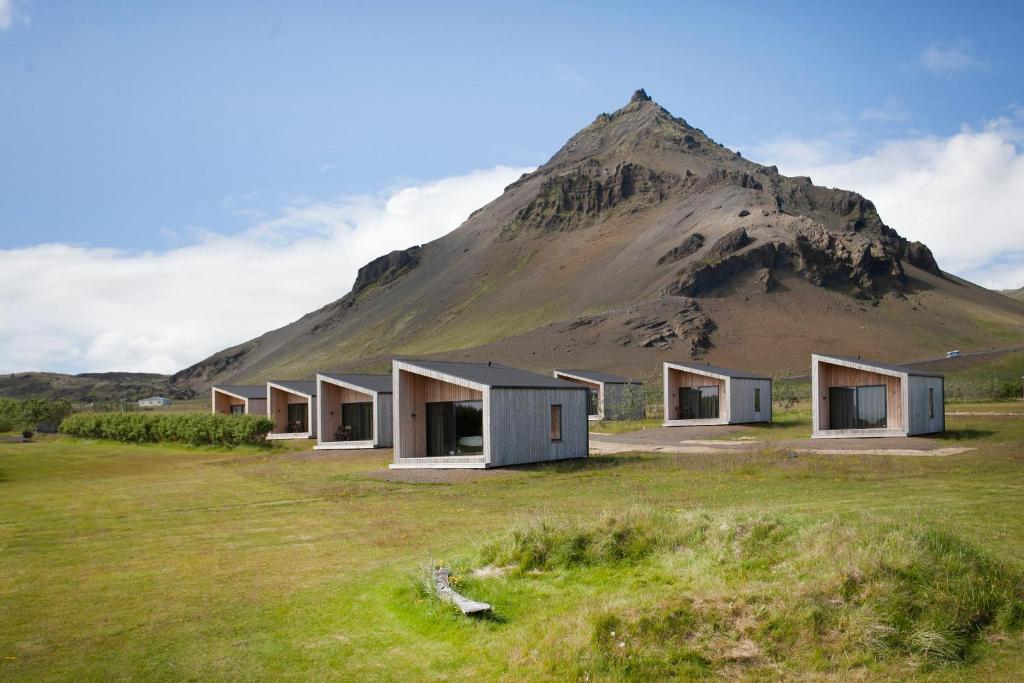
x=192 y=429
x=31 y=413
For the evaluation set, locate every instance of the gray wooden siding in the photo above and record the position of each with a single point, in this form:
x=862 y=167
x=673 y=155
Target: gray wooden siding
x=520 y=422
x=741 y=400
x=384 y=421
x=920 y=421
x=257 y=406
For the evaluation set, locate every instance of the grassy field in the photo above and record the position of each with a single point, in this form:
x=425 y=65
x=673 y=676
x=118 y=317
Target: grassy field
x=126 y=562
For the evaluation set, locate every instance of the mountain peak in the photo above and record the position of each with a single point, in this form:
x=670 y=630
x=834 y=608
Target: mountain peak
x=640 y=96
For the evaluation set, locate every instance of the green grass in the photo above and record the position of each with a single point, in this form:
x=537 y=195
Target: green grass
x=123 y=562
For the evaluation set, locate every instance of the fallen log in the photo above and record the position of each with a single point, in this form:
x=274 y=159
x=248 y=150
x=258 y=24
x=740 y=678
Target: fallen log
x=445 y=592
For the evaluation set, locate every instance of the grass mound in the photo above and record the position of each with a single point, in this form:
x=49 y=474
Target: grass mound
x=687 y=595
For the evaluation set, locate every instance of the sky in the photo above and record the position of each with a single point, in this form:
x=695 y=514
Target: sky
x=170 y=171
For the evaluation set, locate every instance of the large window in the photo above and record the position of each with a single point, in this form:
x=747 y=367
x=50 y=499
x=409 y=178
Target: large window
x=700 y=403
x=592 y=402
x=857 y=407
x=357 y=421
x=455 y=428
x=556 y=422
x=297 y=418
x=237 y=409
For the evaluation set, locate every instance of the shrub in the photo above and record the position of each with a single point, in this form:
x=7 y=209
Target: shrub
x=30 y=414
x=192 y=429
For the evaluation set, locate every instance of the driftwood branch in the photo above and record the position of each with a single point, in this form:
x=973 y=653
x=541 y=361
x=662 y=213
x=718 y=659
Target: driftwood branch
x=445 y=592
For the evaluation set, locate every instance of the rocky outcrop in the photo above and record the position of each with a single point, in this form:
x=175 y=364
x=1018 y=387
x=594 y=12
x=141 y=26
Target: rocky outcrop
x=573 y=199
x=387 y=268
x=689 y=327
x=920 y=256
x=689 y=246
x=728 y=244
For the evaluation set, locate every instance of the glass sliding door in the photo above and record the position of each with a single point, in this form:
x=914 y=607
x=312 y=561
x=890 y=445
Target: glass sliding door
x=297 y=418
x=700 y=403
x=455 y=428
x=357 y=421
x=592 y=402
x=857 y=407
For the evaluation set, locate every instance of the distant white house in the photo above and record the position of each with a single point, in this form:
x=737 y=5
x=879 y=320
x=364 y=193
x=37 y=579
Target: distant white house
x=154 y=402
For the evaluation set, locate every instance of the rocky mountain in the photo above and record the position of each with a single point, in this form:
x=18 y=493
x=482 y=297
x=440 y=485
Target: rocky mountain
x=640 y=240
x=92 y=387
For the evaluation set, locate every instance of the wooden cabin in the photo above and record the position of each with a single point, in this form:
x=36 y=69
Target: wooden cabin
x=239 y=399
x=703 y=394
x=858 y=398
x=611 y=397
x=354 y=411
x=292 y=407
x=476 y=415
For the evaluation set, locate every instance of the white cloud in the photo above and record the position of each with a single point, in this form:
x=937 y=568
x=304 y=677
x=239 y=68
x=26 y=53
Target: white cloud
x=960 y=194
x=74 y=308
x=889 y=112
x=566 y=74
x=6 y=14
x=950 y=60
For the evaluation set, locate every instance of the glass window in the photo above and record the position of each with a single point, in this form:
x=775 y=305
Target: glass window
x=237 y=409
x=357 y=421
x=455 y=428
x=699 y=403
x=757 y=399
x=556 y=422
x=857 y=407
x=591 y=402
x=297 y=418
x=931 y=402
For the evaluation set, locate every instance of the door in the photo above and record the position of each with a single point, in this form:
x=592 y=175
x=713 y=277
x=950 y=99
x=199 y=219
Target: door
x=699 y=403
x=297 y=415
x=357 y=421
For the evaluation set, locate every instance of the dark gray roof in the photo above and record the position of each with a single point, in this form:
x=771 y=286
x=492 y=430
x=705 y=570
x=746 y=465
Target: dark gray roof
x=598 y=376
x=378 y=383
x=719 y=370
x=494 y=375
x=244 y=390
x=909 y=369
x=302 y=387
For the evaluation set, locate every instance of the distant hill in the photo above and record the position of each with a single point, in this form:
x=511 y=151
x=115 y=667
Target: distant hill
x=1017 y=294
x=91 y=387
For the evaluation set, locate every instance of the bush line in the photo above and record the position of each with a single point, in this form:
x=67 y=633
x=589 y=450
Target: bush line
x=195 y=430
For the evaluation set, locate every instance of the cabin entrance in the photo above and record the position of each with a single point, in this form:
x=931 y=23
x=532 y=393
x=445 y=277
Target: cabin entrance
x=357 y=421
x=455 y=428
x=857 y=407
x=298 y=418
x=698 y=403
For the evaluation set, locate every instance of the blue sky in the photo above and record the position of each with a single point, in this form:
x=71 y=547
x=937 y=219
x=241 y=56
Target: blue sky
x=154 y=127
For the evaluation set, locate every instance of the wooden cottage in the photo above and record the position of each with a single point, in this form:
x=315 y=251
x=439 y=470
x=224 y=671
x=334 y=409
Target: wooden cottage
x=292 y=407
x=611 y=397
x=354 y=411
x=455 y=415
x=705 y=394
x=855 y=398
x=239 y=399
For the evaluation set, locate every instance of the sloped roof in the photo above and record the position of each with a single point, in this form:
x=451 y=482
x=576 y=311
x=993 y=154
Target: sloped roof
x=599 y=376
x=494 y=375
x=908 y=369
x=719 y=370
x=300 y=387
x=380 y=384
x=243 y=390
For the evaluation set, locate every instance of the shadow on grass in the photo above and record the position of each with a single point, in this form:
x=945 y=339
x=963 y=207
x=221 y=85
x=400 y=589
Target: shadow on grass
x=966 y=434
x=594 y=462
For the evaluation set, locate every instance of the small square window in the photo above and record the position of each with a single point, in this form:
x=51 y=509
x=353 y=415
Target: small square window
x=556 y=422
